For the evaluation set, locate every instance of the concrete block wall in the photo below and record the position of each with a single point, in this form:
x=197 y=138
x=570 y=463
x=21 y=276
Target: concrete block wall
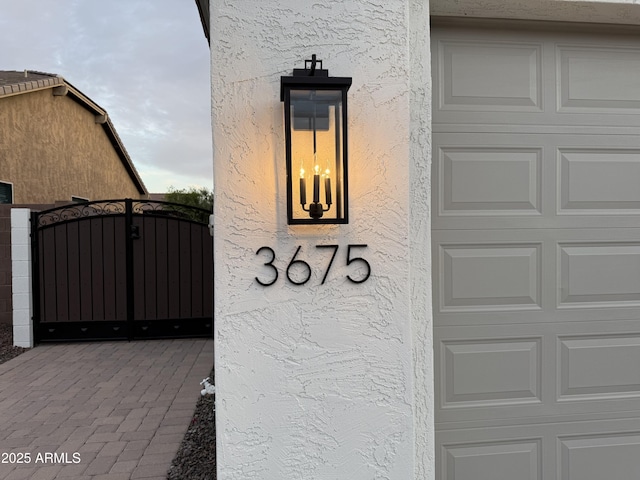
x=6 y=301
x=21 y=277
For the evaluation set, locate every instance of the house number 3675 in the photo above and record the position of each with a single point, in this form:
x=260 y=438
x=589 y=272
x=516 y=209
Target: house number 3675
x=304 y=269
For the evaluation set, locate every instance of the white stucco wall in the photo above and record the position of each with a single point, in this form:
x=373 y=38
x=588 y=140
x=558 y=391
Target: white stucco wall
x=316 y=381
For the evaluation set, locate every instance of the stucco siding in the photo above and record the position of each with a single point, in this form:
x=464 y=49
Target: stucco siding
x=312 y=381
x=420 y=238
x=52 y=149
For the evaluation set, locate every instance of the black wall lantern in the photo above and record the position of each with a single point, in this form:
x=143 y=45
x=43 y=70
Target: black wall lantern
x=315 y=122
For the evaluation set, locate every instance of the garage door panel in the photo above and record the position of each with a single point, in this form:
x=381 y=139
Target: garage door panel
x=526 y=373
x=523 y=78
x=599 y=274
x=502 y=76
x=491 y=372
x=493 y=461
x=600 y=366
x=490 y=181
x=583 y=450
x=497 y=181
x=598 y=181
x=493 y=277
x=595 y=457
x=598 y=80
x=490 y=277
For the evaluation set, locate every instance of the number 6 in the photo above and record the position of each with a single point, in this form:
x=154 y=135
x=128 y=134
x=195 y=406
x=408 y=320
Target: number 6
x=294 y=261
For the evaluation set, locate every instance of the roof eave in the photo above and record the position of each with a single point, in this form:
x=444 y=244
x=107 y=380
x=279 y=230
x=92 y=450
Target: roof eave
x=203 y=10
x=110 y=130
x=124 y=156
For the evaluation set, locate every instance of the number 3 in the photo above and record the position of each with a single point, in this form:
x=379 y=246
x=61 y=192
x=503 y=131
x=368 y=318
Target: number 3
x=268 y=264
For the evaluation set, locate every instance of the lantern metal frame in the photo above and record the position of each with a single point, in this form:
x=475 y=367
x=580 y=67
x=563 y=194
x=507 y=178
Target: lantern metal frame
x=314 y=78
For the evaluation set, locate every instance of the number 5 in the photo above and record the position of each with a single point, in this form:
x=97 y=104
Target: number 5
x=357 y=259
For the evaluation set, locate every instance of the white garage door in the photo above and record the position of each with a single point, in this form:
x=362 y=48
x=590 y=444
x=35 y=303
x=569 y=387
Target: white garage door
x=536 y=253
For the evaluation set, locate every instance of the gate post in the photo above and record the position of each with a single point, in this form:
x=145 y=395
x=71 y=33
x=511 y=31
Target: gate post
x=128 y=215
x=21 y=277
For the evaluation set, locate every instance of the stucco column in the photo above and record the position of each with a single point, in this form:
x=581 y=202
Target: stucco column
x=21 y=277
x=318 y=380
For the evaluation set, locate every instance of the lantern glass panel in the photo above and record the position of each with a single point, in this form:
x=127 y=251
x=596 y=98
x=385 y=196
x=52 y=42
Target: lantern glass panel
x=317 y=152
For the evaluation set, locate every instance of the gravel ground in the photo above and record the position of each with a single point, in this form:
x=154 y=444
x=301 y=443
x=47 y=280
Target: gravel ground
x=196 y=457
x=7 y=350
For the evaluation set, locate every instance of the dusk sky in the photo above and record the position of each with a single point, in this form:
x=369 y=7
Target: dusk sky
x=144 y=61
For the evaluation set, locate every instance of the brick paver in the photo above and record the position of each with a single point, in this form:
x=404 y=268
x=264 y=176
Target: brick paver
x=111 y=410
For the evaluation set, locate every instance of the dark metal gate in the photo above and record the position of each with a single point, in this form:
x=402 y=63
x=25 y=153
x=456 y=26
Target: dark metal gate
x=122 y=269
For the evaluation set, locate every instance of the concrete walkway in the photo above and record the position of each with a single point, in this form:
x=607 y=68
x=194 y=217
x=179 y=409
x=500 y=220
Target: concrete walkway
x=114 y=410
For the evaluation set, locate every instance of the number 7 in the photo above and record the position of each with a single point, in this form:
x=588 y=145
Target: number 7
x=335 y=250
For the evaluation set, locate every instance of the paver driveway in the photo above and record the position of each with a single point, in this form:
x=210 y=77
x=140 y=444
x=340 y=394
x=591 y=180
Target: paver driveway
x=114 y=410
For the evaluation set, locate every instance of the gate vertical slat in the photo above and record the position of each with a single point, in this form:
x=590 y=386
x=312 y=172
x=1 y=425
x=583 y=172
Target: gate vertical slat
x=138 y=286
x=129 y=252
x=150 y=282
x=61 y=278
x=109 y=289
x=40 y=275
x=154 y=282
x=196 y=262
x=36 y=273
x=121 y=269
x=86 y=289
x=48 y=279
x=207 y=283
x=120 y=260
x=185 y=269
x=47 y=284
x=173 y=273
x=97 y=271
x=73 y=272
x=162 y=268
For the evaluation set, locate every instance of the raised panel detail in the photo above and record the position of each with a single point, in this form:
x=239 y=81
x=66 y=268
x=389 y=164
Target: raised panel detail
x=601 y=80
x=599 y=275
x=610 y=457
x=599 y=367
x=489 y=76
x=599 y=181
x=490 y=277
x=483 y=373
x=492 y=461
x=490 y=181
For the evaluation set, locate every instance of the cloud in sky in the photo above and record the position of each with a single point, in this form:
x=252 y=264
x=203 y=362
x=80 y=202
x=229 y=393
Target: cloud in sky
x=145 y=62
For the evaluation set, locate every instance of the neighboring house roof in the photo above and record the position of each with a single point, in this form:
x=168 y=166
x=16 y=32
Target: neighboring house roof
x=203 y=10
x=17 y=83
x=161 y=197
